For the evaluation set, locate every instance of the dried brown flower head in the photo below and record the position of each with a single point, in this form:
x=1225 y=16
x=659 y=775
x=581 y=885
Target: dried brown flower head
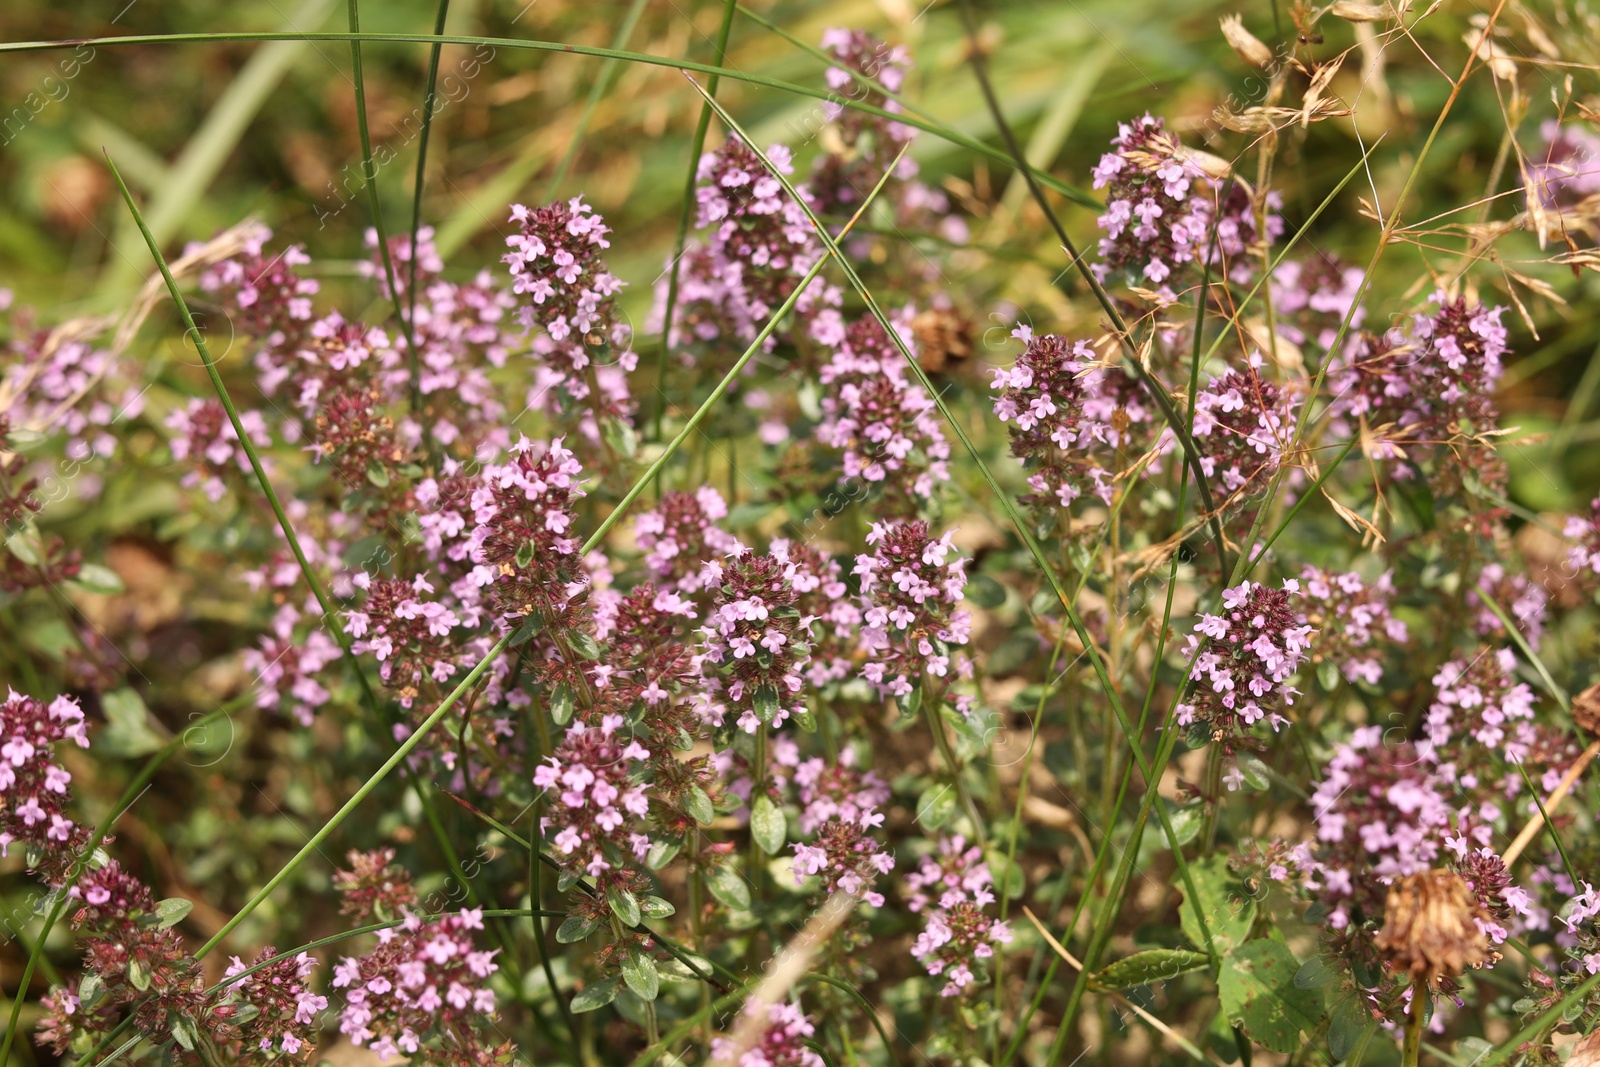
x=942 y=335
x=1586 y=710
x=1430 y=927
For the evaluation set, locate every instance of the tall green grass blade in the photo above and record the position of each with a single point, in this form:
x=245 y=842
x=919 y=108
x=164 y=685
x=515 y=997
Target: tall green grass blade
x=369 y=172
x=430 y=96
x=685 y=214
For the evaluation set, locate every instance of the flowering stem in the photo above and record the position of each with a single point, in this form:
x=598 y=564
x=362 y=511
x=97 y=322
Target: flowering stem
x=1413 y=1043
x=1131 y=359
x=933 y=711
x=758 y=785
x=1211 y=797
x=62 y=893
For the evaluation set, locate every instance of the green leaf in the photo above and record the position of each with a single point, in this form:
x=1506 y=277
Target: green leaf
x=936 y=805
x=1228 y=911
x=727 y=886
x=1350 y=1020
x=524 y=555
x=652 y=907
x=585 y=645
x=562 y=703
x=172 y=910
x=742 y=516
x=697 y=805
x=1259 y=994
x=1186 y=823
x=1328 y=675
x=767 y=825
x=624 y=905
x=24 y=544
x=765 y=702
x=595 y=996
x=575 y=928
x=90 y=989
x=985 y=592
x=622 y=437
x=531 y=625
x=377 y=474
x=128 y=729
x=662 y=853
x=1256 y=774
x=94 y=578
x=1315 y=973
x=138 y=975
x=639 y=971
x=183 y=1031
x=1152 y=965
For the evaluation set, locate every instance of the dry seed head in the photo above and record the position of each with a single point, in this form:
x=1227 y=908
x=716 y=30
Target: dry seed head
x=1246 y=44
x=1586 y=710
x=1353 y=12
x=1430 y=926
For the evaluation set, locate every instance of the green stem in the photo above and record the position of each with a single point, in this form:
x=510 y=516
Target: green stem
x=369 y=170
x=1413 y=1042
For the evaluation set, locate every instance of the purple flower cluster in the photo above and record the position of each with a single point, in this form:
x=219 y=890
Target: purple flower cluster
x=1243 y=425
x=1561 y=177
x=1046 y=400
x=1480 y=700
x=1152 y=222
x=845 y=857
x=1425 y=389
x=907 y=589
x=882 y=421
x=1584 y=531
x=1243 y=660
x=33 y=785
x=868 y=143
x=421 y=992
x=598 y=805
x=266 y=300
x=570 y=297
x=274 y=1007
x=840 y=791
x=206 y=439
x=951 y=889
x=1312 y=299
x=783 y=1043
x=758 y=247
x=832 y=616
x=523 y=545
x=681 y=533
x=756 y=639
x=1352 y=620
x=407 y=631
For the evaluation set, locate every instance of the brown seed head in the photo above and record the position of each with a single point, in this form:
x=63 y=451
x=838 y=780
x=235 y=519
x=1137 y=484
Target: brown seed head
x=1586 y=710
x=1430 y=927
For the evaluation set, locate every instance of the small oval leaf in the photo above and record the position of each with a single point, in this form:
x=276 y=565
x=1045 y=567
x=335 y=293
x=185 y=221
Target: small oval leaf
x=768 y=825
